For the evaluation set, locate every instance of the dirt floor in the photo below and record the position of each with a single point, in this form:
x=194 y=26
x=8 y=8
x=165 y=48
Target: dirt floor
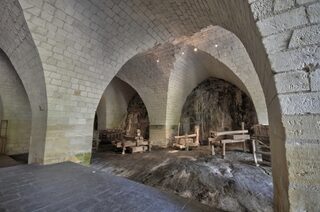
x=231 y=184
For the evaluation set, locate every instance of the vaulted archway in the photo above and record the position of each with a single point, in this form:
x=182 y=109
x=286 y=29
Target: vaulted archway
x=83 y=44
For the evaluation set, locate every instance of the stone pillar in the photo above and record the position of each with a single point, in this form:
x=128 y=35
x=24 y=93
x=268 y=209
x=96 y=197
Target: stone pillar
x=290 y=34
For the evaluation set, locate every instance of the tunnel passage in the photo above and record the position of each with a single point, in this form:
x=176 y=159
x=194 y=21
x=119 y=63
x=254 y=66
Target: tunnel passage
x=218 y=105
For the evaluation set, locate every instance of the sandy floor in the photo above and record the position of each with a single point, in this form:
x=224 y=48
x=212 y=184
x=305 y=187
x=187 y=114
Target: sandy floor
x=231 y=184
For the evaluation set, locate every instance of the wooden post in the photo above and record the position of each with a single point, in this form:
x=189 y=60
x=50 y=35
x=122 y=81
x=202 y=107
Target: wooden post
x=223 y=150
x=197 y=132
x=244 y=143
x=212 y=150
x=123 y=148
x=186 y=142
x=149 y=146
x=254 y=152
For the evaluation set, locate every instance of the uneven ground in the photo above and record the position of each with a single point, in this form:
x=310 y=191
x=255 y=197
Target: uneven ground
x=231 y=184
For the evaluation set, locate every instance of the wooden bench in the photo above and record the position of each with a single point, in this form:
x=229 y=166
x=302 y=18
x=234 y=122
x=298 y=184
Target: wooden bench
x=188 y=141
x=238 y=136
x=136 y=144
x=133 y=146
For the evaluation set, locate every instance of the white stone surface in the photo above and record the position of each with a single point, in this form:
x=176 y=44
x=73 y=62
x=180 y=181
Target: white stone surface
x=14 y=107
x=66 y=52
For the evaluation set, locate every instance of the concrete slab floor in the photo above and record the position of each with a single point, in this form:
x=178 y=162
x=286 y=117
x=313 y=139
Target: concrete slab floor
x=72 y=187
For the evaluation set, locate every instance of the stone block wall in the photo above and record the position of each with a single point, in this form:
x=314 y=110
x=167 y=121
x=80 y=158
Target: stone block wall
x=112 y=108
x=17 y=43
x=14 y=107
x=290 y=31
x=79 y=46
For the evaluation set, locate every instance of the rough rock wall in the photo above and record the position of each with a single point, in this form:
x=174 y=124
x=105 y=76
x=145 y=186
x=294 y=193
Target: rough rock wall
x=217 y=105
x=137 y=118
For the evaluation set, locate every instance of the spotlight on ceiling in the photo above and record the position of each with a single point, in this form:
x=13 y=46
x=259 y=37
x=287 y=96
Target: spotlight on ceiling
x=158 y=60
x=195 y=49
x=216 y=45
x=182 y=53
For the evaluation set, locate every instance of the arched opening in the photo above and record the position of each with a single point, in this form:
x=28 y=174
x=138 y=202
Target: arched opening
x=166 y=75
x=17 y=42
x=87 y=39
x=190 y=102
x=15 y=112
x=217 y=105
x=120 y=113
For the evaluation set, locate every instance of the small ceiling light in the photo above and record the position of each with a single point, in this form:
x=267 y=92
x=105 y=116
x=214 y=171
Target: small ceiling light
x=216 y=45
x=158 y=60
x=195 y=49
x=182 y=53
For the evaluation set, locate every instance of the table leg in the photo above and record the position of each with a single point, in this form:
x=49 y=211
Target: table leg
x=123 y=149
x=223 y=150
x=254 y=152
x=212 y=150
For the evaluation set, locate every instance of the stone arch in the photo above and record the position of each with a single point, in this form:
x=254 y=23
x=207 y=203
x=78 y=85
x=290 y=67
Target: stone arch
x=114 y=102
x=17 y=43
x=103 y=35
x=190 y=69
x=15 y=107
x=227 y=48
x=150 y=79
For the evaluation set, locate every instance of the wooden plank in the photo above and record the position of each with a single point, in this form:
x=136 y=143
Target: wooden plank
x=135 y=149
x=223 y=150
x=230 y=141
x=230 y=132
x=263 y=153
x=184 y=136
x=241 y=137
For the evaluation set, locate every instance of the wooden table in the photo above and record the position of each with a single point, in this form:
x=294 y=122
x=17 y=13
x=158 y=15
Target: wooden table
x=238 y=136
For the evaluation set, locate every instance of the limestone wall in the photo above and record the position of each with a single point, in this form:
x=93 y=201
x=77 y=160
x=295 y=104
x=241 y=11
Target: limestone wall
x=17 y=43
x=290 y=31
x=83 y=44
x=14 y=107
x=112 y=109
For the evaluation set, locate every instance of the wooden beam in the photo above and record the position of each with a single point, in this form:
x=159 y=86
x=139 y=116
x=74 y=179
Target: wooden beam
x=229 y=132
x=186 y=136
